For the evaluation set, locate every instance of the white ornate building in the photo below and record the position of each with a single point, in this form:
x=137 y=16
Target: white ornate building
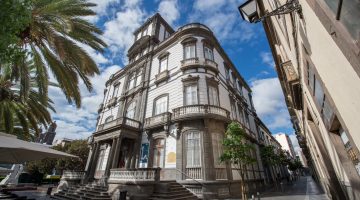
x=169 y=108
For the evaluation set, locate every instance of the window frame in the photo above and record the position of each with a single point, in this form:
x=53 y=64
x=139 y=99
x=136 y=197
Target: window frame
x=155 y=101
x=127 y=109
x=199 y=140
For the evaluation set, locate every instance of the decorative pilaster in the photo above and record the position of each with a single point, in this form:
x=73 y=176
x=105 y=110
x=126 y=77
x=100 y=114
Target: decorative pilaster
x=115 y=158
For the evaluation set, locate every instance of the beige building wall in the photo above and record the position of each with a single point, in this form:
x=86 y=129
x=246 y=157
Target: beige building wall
x=310 y=42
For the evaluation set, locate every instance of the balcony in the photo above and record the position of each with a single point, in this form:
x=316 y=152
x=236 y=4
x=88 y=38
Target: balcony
x=212 y=65
x=141 y=174
x=189 y=63
x=101 y=107
x=293 y=85
x=163 y=76
x=120 y=122
x=157 y=120
x=200 y=111
x=112 y=102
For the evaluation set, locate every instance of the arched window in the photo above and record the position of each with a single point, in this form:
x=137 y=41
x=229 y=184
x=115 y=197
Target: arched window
x=130 y=112
x=109 y=119
x=161 y=105
x=159 y=152
x=193 y=151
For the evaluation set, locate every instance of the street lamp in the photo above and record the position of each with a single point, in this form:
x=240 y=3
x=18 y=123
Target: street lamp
x=250 y=10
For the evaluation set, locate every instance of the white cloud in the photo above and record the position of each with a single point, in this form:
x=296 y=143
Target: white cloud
x=269 y=102
x=168 y=10
x=118 y=32
x=223 y=19
x=267 y=58
x=80 y=123
x=101 y=8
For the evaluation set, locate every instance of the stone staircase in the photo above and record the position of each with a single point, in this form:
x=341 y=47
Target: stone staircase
x=86 y=192
x=175 y=192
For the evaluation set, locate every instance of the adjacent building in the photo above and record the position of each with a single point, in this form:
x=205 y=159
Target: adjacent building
x=168 y=109
x=285 y=143
x=316 y=49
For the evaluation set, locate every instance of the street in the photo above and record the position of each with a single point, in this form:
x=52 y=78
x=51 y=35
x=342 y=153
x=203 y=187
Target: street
x=303 y=189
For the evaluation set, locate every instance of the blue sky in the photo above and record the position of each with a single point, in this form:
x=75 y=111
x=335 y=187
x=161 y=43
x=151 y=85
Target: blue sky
x=245 y=44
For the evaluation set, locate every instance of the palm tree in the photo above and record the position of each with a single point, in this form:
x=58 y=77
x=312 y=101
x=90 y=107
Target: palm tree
x=53 y=35
x=18 y=116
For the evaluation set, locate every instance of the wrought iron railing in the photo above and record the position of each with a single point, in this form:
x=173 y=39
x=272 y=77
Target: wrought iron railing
x=199 y=109
x=141 y=174
x=156 y=120
x=120 y=121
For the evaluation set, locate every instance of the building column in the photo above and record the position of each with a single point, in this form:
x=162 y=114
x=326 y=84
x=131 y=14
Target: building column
x=208 y=157
x=115 y=162
x=94 y=161
x=134 y=155
x=90 y=158
x=110 y=158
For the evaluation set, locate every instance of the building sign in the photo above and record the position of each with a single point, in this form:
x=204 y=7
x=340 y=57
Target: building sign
x=144 y=153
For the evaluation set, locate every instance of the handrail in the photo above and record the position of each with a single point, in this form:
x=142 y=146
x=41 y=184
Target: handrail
x=189 y=177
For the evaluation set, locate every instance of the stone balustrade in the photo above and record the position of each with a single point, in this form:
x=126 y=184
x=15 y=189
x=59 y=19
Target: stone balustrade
x=141 y=174
x=157 y=120
x=201 y=111
x=211 y=65
x=193 y=172
x=185 y=64
x=120 y=121
x=73 y=175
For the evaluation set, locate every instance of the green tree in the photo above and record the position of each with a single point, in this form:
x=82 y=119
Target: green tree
x=77 y=147
x=19 y=116
x=238 y=152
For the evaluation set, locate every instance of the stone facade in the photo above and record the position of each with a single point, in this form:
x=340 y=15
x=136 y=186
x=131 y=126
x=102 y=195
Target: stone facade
x=168 y=109
x=316 y=54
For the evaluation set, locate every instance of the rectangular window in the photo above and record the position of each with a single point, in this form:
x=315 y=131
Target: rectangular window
x=193 y=158
x=163 y=64
x=116 y=89
x=138 y=77
x=247 y=121
x=161 y=105
x=131 y=81
x=240 y=88
x=327 y=112
x=189 y=51
x=213 y=96
x=319 y=93
x=349 y=15
x=208 y=53
x=191 y=97
x=227 y=72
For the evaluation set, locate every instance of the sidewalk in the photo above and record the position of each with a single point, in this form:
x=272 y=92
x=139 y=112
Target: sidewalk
x=303 y=189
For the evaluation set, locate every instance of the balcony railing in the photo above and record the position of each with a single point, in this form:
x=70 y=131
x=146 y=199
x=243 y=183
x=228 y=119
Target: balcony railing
x=162 y=76
x=73 y=175
x=123 y=121
x=187 y=63
x=157 y=120
x=200 y=110
x=194 y=172
x=211 y=65
x=141 y=174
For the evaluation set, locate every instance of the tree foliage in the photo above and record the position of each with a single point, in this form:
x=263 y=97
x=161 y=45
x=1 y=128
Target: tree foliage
x=237 y=151
x=77 y=147
x=39 y=37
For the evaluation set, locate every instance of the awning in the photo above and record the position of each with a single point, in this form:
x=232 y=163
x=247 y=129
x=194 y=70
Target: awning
x=15 y=151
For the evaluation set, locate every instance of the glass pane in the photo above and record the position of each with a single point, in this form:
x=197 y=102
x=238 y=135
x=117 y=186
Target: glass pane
x=350 y=17
x=319 y=93
x=163 y=64
x=161 y=105
x=333 y=5
x=327 y=112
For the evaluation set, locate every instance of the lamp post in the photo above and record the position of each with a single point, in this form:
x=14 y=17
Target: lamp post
x=250 y=10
